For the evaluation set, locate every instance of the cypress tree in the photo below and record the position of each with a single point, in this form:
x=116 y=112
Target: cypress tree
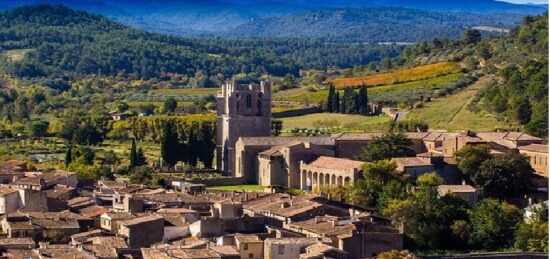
x=133 y=155
x=169 y=145
x=68 y=157
x=330 y=98
x=363 y=100
x=207 y=145
x=140 y=157
x=193 y=148
x=336 y=101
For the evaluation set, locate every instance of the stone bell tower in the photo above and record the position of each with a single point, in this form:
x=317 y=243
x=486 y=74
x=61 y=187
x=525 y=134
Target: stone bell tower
x=243 y=110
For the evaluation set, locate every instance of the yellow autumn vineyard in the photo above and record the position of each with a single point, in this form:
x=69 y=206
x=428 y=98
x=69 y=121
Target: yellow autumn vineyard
x=400 y=76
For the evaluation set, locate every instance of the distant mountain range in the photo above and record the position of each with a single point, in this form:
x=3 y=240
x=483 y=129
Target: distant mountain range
x=346 y=20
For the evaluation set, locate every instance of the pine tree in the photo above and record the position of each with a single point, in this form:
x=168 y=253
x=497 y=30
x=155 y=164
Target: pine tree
x=330 y=98
x=133 y=154
x=169 y=145
x=68 y=157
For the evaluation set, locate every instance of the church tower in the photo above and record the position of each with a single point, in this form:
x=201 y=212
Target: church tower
x=243 y=110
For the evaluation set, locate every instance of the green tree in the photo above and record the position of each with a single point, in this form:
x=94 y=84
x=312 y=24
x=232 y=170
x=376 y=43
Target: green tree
x=387 y=147
x=470 y=157
x=140 y=175
x=206 y=145
x=532 y=234
x=169 y=145
x=493 y=224
x=276 y=127
x=170 y=105
x=39 y=129
x=68 y=157
x=330 y=97
x=336 y=101
x=425 y=217
x=505 y=176
x=133 y=154
x=141 y=160
x=472 y=36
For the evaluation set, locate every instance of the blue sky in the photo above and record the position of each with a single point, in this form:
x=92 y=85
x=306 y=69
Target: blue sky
x=527 y=1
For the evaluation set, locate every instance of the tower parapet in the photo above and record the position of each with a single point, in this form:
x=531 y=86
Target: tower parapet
x=243 y=110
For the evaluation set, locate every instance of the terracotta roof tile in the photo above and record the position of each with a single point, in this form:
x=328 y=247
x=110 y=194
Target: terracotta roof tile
x=535 y=148
x=336 y=163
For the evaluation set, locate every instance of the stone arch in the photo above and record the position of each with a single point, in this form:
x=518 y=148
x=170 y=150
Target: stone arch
x=339 y=181
x=315 y=180
x=327 y=179
x=347 y=180
x=333 y=180
x=321 y=179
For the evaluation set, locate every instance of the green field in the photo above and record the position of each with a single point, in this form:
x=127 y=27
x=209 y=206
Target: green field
x=450 y=113
x=332 y=119
x=244 y=187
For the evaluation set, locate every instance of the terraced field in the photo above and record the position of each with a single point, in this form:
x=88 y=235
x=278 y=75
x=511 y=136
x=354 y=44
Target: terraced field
x=388 y=93
x=400 y=76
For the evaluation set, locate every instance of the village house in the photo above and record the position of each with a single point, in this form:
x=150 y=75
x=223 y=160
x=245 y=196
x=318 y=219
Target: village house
x=249 y=246
x=12 y=170
x=321 y=251
x=414 y=166
x=142 y=231
x=466 y=192
x=9 y=200
x=109 y=220
x=538 y=157
x=371 y=234
x=289 y=247
x=16 y=243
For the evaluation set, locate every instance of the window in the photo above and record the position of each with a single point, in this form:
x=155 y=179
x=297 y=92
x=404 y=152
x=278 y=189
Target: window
x=281 y=249
x=245 y=246
x=250 y=255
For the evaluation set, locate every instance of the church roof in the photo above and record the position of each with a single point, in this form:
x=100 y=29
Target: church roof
x=336 y=163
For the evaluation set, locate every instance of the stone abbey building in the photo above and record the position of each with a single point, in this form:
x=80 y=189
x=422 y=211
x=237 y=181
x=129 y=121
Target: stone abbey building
x=247 y=150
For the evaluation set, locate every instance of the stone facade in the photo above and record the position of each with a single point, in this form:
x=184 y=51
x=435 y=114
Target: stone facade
x=280 y=166
x=242 y=111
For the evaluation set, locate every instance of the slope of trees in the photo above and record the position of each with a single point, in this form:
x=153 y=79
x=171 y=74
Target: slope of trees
x=519 y=60
x=64 y=43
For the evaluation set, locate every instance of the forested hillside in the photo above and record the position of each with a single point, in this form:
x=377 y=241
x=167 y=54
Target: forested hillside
x=372 y=25
x=293 y=18
x=518 y=62
x=57 y=42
